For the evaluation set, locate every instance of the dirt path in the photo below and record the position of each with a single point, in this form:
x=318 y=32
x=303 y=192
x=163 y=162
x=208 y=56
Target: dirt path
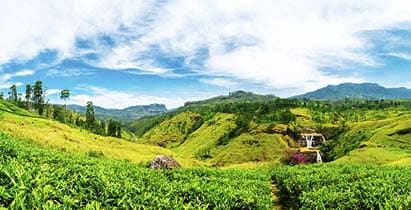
x=276 y=197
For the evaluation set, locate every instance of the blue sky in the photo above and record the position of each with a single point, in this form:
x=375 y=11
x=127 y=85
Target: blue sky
x=123 y=53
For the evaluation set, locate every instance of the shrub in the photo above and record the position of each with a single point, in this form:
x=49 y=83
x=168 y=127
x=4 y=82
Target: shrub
x=293 y=158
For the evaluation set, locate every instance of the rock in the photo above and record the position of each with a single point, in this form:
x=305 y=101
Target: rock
x=164 y=162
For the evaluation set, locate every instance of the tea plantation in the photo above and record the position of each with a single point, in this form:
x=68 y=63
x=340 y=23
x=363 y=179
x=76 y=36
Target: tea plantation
x=36 y=178
x=335 y=186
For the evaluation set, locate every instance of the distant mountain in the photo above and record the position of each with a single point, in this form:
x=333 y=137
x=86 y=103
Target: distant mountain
x=353 y=90
x=124 y=115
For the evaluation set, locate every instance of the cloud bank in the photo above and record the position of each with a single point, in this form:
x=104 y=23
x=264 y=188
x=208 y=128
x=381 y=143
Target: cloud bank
x=278 y=44
x=120 y=99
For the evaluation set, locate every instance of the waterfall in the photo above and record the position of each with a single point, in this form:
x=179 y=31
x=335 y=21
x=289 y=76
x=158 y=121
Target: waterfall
x=319 y=159
x=309 y=140
x=323 y=138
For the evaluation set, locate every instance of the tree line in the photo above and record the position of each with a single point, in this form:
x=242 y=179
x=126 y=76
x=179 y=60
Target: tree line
x=34 y=100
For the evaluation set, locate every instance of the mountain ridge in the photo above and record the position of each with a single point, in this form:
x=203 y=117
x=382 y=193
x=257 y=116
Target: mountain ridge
x=357 y=90
x=127 y=114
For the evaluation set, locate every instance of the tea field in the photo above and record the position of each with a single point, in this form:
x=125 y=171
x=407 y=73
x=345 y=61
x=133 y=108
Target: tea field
x=337 y=186
x=31 y=177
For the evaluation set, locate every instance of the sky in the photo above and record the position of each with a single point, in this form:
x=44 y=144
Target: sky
x=121 y=53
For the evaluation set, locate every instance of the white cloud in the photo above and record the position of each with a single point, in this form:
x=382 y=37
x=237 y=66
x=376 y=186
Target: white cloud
x=52 y=92
x=8 y=76
x=221 y=82
x=281 y=44
x=404 y=56
x=26 y=72
x=8 y=85
x=68 y=72
x=4 y=79
x=31 y=27
x=120 y=99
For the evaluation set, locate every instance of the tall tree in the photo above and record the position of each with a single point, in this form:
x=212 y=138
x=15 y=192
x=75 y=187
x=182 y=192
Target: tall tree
x=90 y=117
x=38 y=97
x=13 y=93
x=114 y=128
x=29 y=92
x=65 y=94
x=1 y=95
x=118 y=131
x=102 y=128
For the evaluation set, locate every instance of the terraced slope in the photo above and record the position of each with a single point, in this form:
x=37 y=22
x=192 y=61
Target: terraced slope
x=384 y=142
x=211 y=142
x=204 y=140
x=51 y=134
x=172 y=132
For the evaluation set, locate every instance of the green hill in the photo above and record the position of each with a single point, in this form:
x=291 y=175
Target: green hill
x=47 y=164
x=385 y=141
x=235 y=130
x=52 y=134
x=232 y=130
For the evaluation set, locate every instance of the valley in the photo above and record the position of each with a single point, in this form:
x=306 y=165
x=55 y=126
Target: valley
x=225 y=105
x=241 y=136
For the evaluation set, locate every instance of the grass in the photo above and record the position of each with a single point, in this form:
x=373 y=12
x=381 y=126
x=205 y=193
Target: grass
x=303 y=116
x=383 y=141
x=260 y=147
x=172 y=132
x=206 y=137
x=375 y=155
x=51 y=134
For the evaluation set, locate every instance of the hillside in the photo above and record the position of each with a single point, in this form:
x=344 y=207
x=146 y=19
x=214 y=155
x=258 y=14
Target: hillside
x=52 y=165
x=32 y=178
x=231 y=131
x=385 y=141
x=54 y=135
x=362 y=90
x=123 y=115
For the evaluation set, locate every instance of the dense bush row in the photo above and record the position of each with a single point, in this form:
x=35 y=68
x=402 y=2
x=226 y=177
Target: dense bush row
x=333 y=186
x=35 y=178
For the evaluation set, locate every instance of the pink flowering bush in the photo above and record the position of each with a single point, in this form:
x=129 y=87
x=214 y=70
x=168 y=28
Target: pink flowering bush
x=293 y=158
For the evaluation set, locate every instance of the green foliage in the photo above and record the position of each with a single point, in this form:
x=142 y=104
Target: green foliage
x=173 y=131
x=90 y=118
x=202 y=142
x=28 y=95
x=114 y=128
x=260 y=147
x=126 y=115
x=13 y=93
x=36 y=178
x=144 y=124
x=357 y=141
x=7 y=106
x=58 y=113
x=242 y=123
x=344 y=187
x=95 y=154
x=65 y=94
x=331 y=131
x=38 y=97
